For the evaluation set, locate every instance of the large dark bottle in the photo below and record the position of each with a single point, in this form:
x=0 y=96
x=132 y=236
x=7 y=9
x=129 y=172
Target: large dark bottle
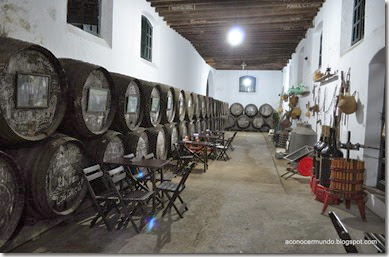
x=328 y=152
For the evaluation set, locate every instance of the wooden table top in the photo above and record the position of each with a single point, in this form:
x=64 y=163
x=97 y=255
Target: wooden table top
x=201 y=143
x=150 y=163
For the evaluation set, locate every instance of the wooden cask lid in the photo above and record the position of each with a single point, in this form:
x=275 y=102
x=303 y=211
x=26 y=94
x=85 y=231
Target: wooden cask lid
x=157 y=142
x=33 y=92
x=251 y=110
x=258 y=122
x=12 y=194
x=172 y=135
x=169 y=104
x=236 y=109
x=266 y=110
x=181 y=97
x=152 y=111
x=243 y=122
x=189 y=106
x=138 y=143
x=183 y=129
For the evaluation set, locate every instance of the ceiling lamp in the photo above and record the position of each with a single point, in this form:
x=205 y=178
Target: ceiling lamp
x=235 y=36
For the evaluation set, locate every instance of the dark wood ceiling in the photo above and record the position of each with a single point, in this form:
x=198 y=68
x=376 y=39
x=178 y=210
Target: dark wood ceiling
x=273 y=28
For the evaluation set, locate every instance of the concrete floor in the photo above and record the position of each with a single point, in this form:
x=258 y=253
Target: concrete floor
x=239 y=206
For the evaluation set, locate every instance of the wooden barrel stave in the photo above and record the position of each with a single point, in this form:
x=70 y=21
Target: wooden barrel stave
x=19 y=61
x=153 y=104
x=181 y=105
x=189 y=106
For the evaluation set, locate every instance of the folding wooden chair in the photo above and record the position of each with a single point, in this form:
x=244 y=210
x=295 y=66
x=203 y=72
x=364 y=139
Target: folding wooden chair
x=173 y=190
x=222 y=149
x=104 y=198
x=182 y=158
x=130 y=200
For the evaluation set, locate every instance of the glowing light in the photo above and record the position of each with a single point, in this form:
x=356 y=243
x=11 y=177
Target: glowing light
x=235 y=36
x=140 y=174
x=247 y=82
x=150 y=224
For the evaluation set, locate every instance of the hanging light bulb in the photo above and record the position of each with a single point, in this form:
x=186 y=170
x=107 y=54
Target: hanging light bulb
x=235 y=36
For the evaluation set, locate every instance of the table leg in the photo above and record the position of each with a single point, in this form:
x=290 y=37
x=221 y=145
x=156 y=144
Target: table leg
x=155 y=191
x=206 y=159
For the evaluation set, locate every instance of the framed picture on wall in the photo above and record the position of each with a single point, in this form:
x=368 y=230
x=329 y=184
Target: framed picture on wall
x=97 y=100
x=247 y=84
x=32 y=90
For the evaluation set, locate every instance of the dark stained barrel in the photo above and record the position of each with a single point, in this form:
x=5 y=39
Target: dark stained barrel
x=138 y=143
x=33 y=92
x=191 y=128
x=183 y=129
x=189 y=106
x=203 y=125
x=157 y=142
x=266 y=110
x=208 y=107
x=269 y=121
x=258 y=122
x=236 y=109
x=171 y=131
x=231 y=121
x=203 y=108
x=243 y=122
x=152 y=110
x=107 y=147
x=216 y=108
x=168 y=104
x=211 y=113
x=197 y=105
x=90 y=109
x=209 y=123
x=129 y=101
x=12 y=194
x=51 y=171
x=198 y=126
x=180 y=95
x=251 y=110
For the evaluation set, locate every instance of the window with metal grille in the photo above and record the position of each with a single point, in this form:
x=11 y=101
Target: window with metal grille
x=146 y=39
x=358 y=21
x=85 y=14
x=320 y=50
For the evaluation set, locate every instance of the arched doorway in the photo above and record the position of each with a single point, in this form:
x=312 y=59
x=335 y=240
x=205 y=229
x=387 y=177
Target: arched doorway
x=375 y=120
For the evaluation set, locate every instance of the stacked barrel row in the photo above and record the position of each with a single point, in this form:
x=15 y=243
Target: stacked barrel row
x=58 y=116
x=251 y=118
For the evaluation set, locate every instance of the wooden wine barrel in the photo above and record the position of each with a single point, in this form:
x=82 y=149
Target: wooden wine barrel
x=90 y=109
x=198 y=126
x=197 y=107
x=210 y=113
x=12 y=194
x=209 y=123
x=270 y=121
x=183 y=129
x=207 y=107
x=251 y=110
x=203 y=108
x=231 y=121
x=203 y=125
x=191 y=128
x=266 y=110
x=153 y=102
x=258 y=122
x=129 y=101
x=157 y=142
x=33 y=92
x=189 y=106
x=218 y=109
x=171 y=131
x=243 y=122
x=181 y=105
x=107 y=147
x=138 y=143
x=236 y=109
x=51 y=171
x=168 y=104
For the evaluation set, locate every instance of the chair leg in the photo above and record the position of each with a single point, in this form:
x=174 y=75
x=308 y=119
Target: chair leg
x=182 y=202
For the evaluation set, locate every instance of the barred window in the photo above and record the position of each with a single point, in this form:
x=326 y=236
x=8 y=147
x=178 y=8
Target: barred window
x=146 y=39
x=85 y=14
x=358 y=21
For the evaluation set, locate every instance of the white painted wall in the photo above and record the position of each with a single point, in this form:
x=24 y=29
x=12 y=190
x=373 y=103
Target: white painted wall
x=334 y=19
x=175 y=61
x=226 y=87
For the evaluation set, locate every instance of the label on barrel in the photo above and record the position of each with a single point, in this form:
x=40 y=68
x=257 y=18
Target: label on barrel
x=115 y=149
